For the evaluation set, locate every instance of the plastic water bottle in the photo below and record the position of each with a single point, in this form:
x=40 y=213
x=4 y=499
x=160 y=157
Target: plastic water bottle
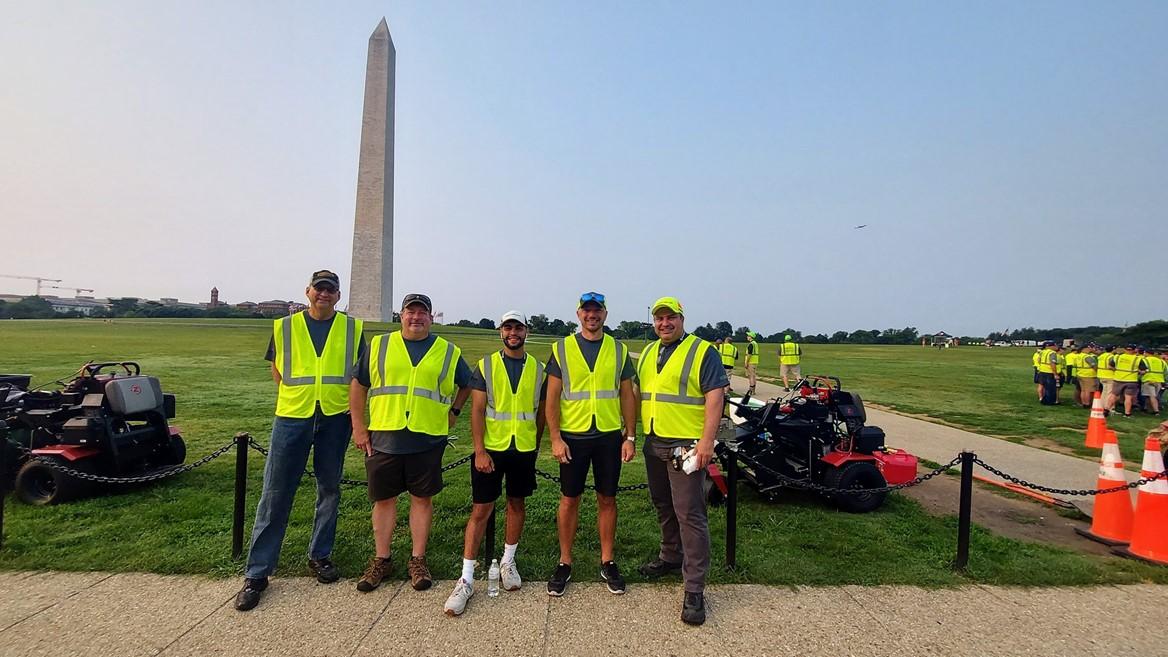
x=493 y=579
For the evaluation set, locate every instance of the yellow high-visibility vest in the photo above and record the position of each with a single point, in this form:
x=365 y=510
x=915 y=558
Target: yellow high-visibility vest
x=307 y=379
x=672 y=402
x=1156 y=367
x=511 y=415
x=406 y=396
x=1035 y=359
x=1106 y=366
x=1044 y=365
x=789 y=353
x=729 y=354
x=590 y=394
x=752 y=353
x=1127 y=368
x=1083 y=369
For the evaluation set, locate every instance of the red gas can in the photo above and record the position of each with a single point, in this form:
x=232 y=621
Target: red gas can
x=897 y=465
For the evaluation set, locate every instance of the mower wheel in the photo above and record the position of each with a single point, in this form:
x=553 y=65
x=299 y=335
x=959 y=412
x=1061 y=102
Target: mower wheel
x=714 y=496
x=858 y=475
x=177 y=453
x=39 y=483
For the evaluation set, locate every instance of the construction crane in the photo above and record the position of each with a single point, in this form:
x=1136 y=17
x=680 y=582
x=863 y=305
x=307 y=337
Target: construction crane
x=76 y=290
x=39 y=280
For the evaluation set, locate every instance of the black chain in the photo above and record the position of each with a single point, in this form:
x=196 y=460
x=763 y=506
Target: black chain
x=819 y=488
x=1062 y=491
x=353 y=482
x=620 y=489
x=153 y=476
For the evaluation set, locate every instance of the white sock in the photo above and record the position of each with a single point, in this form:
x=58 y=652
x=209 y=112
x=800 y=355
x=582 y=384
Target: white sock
x=468 y=566
x=509 y=552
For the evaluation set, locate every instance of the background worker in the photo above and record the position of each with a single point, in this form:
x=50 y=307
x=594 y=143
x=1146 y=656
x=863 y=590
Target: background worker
x=1070 y=363
x=1105 y=370
x=1037 y=378
x=789 y=355
x=591 y=416
x=506 y=424
x=1128 y=367
x=1048 y=373
x=312 y=354
x=1085 y=375
x=1152 y=380
x=416 y=384
x=751 y=360
x=729 y=354
x=679 y=361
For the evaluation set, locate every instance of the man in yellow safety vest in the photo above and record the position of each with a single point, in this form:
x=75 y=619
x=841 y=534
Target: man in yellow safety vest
x=1128 y=368
x=1086 y=375
x=415 y=384
x=790 y=354
x=682 y=394
x=591 y=416
x=1152 y=380
x=506 y=424
x=729 y=354
x=751 y=360
x=312 y=354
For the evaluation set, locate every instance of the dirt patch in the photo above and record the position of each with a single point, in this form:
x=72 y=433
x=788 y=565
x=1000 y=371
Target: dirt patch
x=1019 y=519
x=1050 y=446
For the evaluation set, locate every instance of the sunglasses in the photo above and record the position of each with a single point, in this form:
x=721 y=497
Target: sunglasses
x=592 y=296
x=325 y=287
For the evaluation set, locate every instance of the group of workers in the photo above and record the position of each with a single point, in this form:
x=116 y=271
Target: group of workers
x=399 y=396
x=1133 y=373
x=790 y=354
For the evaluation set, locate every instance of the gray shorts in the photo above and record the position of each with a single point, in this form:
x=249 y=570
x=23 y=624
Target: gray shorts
x=790 y=370
x=1149 y=389
x=1125 y=388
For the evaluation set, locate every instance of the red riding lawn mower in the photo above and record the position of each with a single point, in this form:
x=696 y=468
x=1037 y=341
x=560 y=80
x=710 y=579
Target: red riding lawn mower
x=814 y=434
x=102 y=423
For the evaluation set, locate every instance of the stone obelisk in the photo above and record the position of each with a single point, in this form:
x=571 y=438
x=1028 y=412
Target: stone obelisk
x=371 y=288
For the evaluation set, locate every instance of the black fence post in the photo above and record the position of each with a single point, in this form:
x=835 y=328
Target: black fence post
x=732 y=511
x=3 y=475
x=242 y=442
x=490 y=551
x=963 y=511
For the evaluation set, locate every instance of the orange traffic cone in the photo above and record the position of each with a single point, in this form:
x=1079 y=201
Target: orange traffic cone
x=1097 y=425
x=1149 y=539
x=1112 y=521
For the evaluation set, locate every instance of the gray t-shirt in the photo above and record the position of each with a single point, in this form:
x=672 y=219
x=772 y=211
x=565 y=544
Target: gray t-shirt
x=590 y=349
x=711 y=375
x=318 y=330
x=514 y=367
x=405 y=441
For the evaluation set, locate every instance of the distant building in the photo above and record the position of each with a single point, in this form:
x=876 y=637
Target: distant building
x=249 y=306
x=84 y=305
x=274 y=307
x=214 y=298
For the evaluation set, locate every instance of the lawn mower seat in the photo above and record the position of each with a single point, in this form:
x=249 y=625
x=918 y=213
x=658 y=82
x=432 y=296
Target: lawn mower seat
x=132 y=395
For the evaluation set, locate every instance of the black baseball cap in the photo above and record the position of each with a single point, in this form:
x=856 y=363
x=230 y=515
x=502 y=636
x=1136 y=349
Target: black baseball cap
x=324 y=276
x=417 y=298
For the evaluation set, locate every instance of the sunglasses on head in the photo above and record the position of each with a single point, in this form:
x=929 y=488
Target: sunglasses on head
x=592 y=296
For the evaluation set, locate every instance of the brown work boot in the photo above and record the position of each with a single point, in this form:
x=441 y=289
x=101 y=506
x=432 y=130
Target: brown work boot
x=420 y=577
x=376 y=572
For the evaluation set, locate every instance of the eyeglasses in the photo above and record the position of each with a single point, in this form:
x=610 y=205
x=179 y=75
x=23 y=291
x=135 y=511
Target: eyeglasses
x=592 y=296
x=325 y=287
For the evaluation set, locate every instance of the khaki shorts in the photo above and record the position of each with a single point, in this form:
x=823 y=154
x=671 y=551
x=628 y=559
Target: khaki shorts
x=1088 y=383
x=790 y=370
x=1106 y=383
x=1150 y=389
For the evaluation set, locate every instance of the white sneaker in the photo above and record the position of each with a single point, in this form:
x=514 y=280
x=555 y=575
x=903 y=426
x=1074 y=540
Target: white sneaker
x=510 y=576
x=456 y=603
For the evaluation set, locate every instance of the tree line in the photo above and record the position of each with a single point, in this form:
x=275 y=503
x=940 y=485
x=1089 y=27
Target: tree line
x=1153 y=333
x=39 y=308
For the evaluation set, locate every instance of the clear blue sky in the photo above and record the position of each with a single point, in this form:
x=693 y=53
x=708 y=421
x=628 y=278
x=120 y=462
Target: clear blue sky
x=1010 y=159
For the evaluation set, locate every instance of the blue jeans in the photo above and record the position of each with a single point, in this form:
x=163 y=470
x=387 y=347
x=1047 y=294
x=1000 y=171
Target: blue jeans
x=328 y=437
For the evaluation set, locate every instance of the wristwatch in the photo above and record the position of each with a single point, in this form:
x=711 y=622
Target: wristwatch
x=631 y=439
x=456 y=411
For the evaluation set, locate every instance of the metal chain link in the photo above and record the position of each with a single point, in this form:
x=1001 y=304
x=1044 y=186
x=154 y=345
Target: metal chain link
x=819 y=488
x=353 y=482
x=153 y=476
x=620 y=489
x=1063 y=491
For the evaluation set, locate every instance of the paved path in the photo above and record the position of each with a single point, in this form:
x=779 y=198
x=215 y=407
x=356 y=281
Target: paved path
x=940 y=444
x=132 y=615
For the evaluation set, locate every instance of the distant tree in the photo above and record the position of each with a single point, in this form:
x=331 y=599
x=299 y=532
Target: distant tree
x=466 y=322
x=706 y=332
x=723 y=329
x=121 y=306
x=740 y=333
x=839 y=337
x=538 y=324
x=486 y=323
x=571 y=327
x=28 y=308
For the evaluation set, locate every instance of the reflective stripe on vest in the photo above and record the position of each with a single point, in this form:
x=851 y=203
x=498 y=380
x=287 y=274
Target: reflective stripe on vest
x=407 y=396
x=307 y=379
x=511 y=414
x=1156 y=367
x=789 y=353
x=590 y=394
x=1083 y=367
x=1044 y=365
x=1127 y=368
x=729 y=354
x=672 y=403
x=1106 y=366
x=752 y=353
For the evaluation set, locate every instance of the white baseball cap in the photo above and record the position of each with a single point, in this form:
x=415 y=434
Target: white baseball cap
x=513 y=315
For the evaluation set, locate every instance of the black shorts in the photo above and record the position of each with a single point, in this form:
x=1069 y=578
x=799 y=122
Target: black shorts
x=392 y=474
x=1036 y=378
x=517 y=467
x=603 y=454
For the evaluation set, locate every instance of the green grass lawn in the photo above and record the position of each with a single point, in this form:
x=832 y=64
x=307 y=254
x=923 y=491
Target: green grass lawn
x=216 y=369
x=988 y=391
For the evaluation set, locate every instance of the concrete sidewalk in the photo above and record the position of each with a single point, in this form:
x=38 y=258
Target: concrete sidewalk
x=940 y=444
x=98 y=614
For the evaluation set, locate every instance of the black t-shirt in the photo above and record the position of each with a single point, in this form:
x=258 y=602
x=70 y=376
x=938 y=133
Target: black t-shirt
x=405 y=441
x=590 y=349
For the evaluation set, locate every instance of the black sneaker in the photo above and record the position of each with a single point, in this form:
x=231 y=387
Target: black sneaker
x=249 y=596
x=612 y=577
x=659 y=568
x=325 y=570
x=693 y=609
x=559 y=579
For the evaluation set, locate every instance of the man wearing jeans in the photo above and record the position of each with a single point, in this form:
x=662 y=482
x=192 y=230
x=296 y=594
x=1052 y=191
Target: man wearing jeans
x=313 y=353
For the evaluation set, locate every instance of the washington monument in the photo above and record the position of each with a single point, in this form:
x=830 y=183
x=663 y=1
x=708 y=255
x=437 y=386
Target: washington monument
x=371 y=288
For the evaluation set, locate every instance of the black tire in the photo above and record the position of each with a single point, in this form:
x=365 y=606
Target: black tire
x=40 y=484
x=857 y=475
x=714 y=496
x=177 y=453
